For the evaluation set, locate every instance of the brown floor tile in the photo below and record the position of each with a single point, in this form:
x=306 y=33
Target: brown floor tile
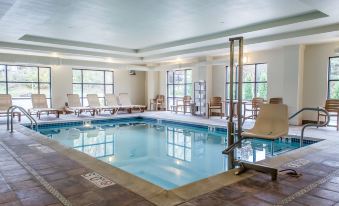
x=335 y=180
x=15 y=172
x=229 y=193
x=313 y=201
x=18 y=178
x=55 y=176
x=330 y=186
x=7 y=197
x=86 y=199
x=300 y=182
x=39 y=200
x=209 y=200
x=326 y=194
x=119 y=195
x=269 y=196
x=24 y=185
x=250 y=201
x=26 y=193
x=4 y=188
x=15 y=203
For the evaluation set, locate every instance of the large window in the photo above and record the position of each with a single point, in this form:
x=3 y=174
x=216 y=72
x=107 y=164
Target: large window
x=179 y=84
x=87 y=81
x=23 y=81
x=254 y=81
x=333 y=78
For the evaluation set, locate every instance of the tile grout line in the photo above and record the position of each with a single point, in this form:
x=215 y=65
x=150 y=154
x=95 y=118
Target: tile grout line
x=41 y=180
x=306 y=189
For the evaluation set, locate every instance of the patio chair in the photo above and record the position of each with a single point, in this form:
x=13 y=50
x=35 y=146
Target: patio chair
x=276 y=100
x=74 y=105
x=39 y=103
x=215 y=104
x=332 y=106
x=112 y=101
x=125 y=101
x=254 y=108
x=184 y=103
x=158 y=102
x=93 y=102
x=5 y=103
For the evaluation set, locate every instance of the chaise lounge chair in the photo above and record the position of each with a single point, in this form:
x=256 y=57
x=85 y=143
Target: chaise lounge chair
x=125 y=101
x=39 y=103
x=5 y=103
x=74 y=105
x=93 y=102
x=111 y=101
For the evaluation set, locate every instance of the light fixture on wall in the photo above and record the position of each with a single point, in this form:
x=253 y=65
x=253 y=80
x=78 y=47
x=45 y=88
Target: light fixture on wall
x=132 y=72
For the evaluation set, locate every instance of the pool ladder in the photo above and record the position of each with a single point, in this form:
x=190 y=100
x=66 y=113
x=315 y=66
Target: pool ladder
x=10 y=115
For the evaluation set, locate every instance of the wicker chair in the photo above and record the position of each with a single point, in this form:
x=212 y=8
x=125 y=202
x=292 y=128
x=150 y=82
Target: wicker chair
x=184 y=103
x=158 y=102
x=254 y=108
x=332 y=106
x=214 y=104
x=276 y=100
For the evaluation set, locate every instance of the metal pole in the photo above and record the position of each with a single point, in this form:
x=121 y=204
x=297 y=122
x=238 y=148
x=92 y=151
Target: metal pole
x=240 y=70
x=230 y=124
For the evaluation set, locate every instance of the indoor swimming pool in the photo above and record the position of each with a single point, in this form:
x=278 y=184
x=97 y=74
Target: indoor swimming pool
x=166 y=153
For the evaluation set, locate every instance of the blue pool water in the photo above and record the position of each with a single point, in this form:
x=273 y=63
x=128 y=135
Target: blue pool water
x=165 y=153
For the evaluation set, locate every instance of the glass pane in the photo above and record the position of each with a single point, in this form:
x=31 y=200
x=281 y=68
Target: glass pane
x=2 y=73
x=109 y=77
x=334 y=68
x=334 y=90
x=90 y=76
x=261 y=72
x=22 y=74
x=170 y=91
x=169 y=103
x=179 y=90
x=77 y=89
x=248 y=91
x=2 y=88
x=189 y=89
x=76 y=76
x=94 y=89
x=169 y=77
x=228 y=74
x=262 y=90
x=44 y=74
x=189 y=76
x=234 y=91
x=248 y=73
x=45 y=89
x=179 y=77
x=109 y=89
x=25 y=103
x=22 y=90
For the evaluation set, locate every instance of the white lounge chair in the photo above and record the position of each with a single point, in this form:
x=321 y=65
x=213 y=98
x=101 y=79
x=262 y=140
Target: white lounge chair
x=5 y=103
x=93 y=102
x=39 y=103
x=74 y=105
x=112 y=101
x=124 y=100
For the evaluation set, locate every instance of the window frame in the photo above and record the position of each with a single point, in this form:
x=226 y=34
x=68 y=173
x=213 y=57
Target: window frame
x=329 y=80
x=255 y=82
x=82 y=82
x=185 y=84
x=6 y=82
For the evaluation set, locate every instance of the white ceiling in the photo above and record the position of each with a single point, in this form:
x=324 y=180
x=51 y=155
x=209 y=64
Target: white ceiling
x=154 y=30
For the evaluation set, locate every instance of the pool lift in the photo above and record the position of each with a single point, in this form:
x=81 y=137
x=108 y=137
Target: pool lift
x=243 y=165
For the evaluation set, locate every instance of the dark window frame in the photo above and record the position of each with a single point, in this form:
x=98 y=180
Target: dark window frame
x=329 y=80
x=185 y=84
x=82 y=82
x=255 y=82
x=6 y=82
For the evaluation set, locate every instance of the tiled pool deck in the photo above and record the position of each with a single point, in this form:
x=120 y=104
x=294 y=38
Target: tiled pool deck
x=30 y=175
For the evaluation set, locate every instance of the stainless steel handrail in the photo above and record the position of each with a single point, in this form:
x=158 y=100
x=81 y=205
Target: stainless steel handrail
x=318 y=109
x=10 y=112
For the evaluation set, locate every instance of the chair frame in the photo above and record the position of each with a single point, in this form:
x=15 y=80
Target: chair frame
x=158 y=102
x=39 y=110
x=186 y=102
x=215 y=103
x=255 y=108
x=9 y=97
x=332 y=107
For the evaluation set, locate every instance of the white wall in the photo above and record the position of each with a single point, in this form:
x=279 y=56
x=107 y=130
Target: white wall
x=61 y=76
x=315 y=75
